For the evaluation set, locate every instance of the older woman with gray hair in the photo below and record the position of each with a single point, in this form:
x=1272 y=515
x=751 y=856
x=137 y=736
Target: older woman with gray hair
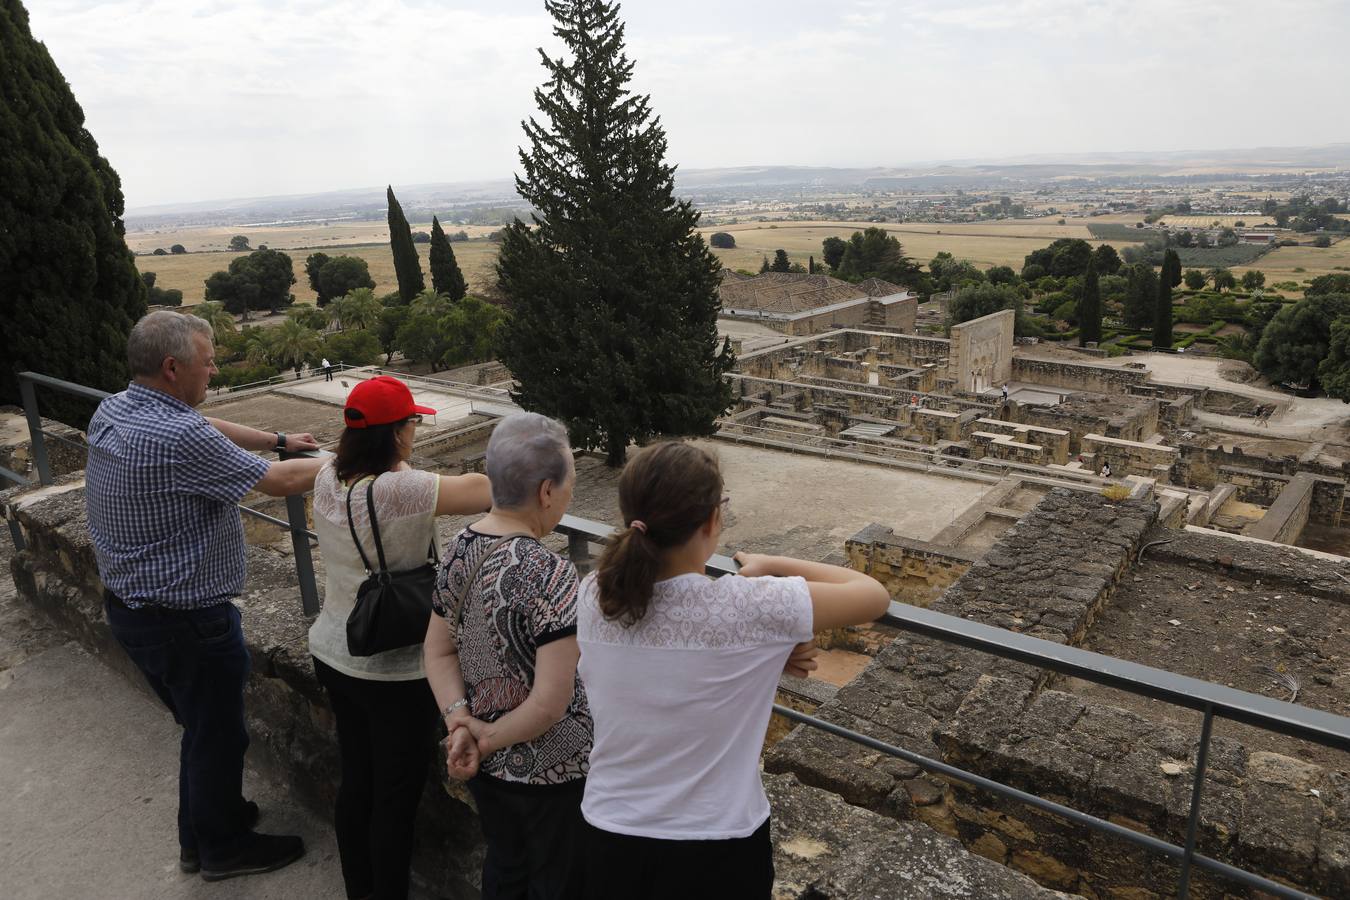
x=501 y=657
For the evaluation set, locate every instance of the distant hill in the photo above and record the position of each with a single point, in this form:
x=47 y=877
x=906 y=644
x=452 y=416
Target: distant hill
x=496 y=199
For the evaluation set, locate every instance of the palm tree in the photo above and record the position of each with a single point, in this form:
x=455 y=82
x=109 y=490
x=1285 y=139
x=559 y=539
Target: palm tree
x=292 y=344
x=360 y=309
x=258 y=346
x=221 y=322
x=310 y=316
x=429 y=302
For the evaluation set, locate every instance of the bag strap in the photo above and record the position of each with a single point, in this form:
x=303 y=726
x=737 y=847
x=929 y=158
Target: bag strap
x=365 y=561
x=432 y=556
x=473 y=573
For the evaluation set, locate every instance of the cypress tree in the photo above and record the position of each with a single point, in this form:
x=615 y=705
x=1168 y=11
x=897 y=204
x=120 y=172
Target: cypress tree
x=1162 y=322
x=407 y=265
x=446 y=277
x=613 y=291
x=1090 y=307
x=67 y=280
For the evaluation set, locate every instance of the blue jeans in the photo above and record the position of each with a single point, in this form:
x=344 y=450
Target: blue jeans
x=197 y=663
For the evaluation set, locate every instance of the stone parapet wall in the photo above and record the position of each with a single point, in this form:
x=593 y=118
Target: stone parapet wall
x=1003 y=446
x=1288 y=515
x=1263 y=488
x=1054 y=440
x=65 y=445
x=914 y=572
x=1130 y=457
x=1076 y=376
x=1201 y=466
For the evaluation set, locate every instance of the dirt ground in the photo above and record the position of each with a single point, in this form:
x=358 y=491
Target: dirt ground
x=1223 y=630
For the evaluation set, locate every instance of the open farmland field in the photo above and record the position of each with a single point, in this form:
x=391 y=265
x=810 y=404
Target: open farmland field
x=283 y=237
x=1253 y=221
x=986 y=244
x=188 y=272
x=1280 y=264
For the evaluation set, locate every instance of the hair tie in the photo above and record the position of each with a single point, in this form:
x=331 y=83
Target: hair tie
x=638 y=525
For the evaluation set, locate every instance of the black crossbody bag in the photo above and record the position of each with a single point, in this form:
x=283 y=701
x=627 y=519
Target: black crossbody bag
x=392 y=608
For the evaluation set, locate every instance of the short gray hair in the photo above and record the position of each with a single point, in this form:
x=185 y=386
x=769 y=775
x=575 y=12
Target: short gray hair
x=525 y=450
x=163 y=333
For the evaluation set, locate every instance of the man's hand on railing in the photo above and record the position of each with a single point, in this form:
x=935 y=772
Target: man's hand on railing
x=295 y=443
x=802 y=662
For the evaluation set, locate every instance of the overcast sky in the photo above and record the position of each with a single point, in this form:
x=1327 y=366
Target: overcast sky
x=204 y=99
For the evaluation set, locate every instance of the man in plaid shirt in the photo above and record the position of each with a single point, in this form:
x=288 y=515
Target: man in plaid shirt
x=161 y=489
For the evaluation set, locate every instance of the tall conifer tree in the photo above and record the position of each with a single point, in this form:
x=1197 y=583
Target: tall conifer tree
x=614 y=293
x=1167 y=278
x=69 y=291
x=446 y=278
x=407 y=265
x=1090 y=307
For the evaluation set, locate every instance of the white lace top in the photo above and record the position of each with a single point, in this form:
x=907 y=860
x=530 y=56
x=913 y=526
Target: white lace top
x=405 y=504
x=681 y=701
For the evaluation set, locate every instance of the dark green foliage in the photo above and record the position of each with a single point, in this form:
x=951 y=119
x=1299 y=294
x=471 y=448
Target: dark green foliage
x=446 y=278
x=976 y=300
x=1334 y=283
x=764 y=266
x=1194 y=279
x=392 y=318
x=337 y=276
x=177 y=249
x=69 y=289
x=354 y=348
x=160 y=251
x=613 y=292
x=407 y=265
x=947 y=272
x=1162 y=314
x=875 y=254
x=1090 y=306
x=1141 y=296
x=261 y=280
x=1298 y=339
x=1001 y=275
x=1222 y=279
x=1334 y=371
x=1108 y=260
x=243 y=373
x=1253 y=279
x=1034 y=273
x=780 y=263
x=722 y=240
x=832 y=251
x=1066 y=256
x=239 y=242
x=473 y=326
x=1322 y=241
x=421 y=237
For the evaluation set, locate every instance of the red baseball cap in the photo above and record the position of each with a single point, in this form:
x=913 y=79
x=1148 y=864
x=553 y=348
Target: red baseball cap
x=379 y=401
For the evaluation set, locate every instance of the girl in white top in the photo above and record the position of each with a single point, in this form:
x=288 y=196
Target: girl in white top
x=680 y=671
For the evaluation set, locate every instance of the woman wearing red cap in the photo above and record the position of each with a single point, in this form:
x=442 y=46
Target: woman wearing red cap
x=386 y=714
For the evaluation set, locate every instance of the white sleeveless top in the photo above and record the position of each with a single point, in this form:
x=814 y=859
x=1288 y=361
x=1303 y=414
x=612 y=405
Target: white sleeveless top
x=681 y=702
x=405 y=504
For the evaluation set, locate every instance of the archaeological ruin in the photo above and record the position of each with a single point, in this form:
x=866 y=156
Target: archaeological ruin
x=1144 y=509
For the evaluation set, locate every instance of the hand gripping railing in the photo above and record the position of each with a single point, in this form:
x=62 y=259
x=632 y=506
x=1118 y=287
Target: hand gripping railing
x=1210 y=699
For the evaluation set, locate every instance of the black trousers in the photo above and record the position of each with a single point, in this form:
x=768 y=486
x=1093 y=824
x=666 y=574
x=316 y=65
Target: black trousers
x=534 y=839
x=621 y=867
x=386 y=735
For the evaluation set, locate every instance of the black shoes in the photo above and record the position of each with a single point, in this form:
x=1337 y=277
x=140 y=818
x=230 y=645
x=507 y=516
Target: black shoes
x=263 y=853
x=188 y=860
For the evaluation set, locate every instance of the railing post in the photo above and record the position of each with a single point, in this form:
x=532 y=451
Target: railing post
x=304 y=562
x=1193 y=822
x=35 y=436
x=579 y=552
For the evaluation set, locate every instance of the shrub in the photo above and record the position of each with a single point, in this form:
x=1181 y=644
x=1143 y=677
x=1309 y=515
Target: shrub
x=1116 y=492
x=1322 y=240
x=722 y=241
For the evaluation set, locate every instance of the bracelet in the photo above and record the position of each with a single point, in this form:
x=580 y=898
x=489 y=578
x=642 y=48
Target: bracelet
x=445 y=713
x=281 y=442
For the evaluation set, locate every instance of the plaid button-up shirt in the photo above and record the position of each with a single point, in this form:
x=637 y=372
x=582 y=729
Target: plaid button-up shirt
x=160 y=488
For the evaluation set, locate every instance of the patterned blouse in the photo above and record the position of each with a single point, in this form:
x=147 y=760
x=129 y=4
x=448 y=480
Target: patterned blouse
x=524 y=596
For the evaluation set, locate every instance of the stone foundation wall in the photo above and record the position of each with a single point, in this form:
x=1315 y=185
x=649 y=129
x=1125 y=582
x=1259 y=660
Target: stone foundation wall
x=1130 y=457
x=1076 y=376
x=915 y=572
x=1288 y=515
x=1049 y=576
x=1201 y=466
x=1327 y=502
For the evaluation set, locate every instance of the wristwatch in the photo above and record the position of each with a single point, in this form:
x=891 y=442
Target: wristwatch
x=281 y=442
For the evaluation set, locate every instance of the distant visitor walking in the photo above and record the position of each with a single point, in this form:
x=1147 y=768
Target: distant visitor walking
x=162 y=484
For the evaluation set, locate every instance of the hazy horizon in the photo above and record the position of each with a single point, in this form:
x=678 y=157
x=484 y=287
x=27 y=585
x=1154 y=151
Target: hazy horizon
x=211 y=101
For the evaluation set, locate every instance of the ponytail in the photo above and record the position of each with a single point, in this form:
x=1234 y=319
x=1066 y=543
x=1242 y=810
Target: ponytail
x=626 y=576
x=666 y=492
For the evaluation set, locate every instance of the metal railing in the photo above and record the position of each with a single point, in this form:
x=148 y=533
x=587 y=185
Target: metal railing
x=1211 y=700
